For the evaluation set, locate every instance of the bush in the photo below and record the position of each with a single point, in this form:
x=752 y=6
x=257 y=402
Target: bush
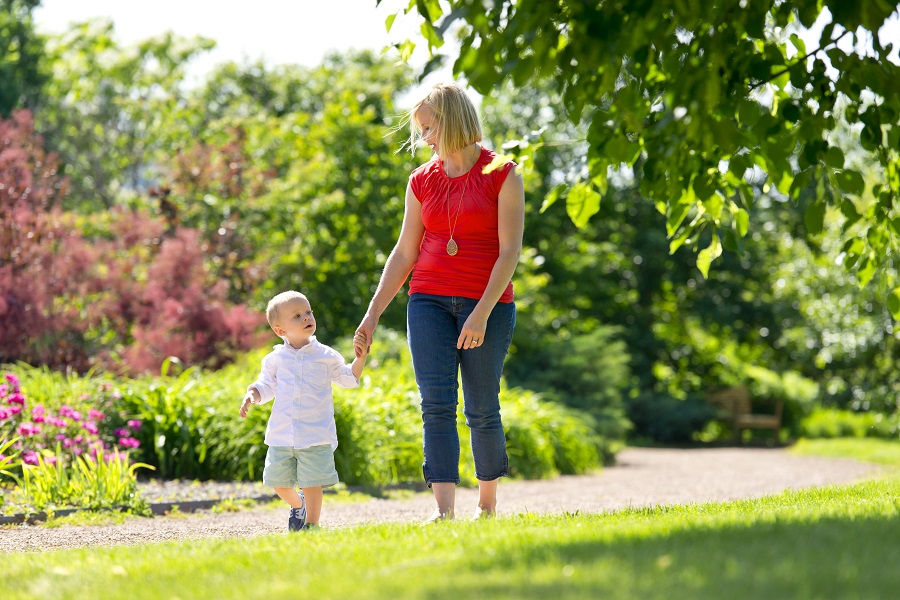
x=833 y=423
x=150 y=297
x=588 y=372
x=666 y=419
x=80 y=424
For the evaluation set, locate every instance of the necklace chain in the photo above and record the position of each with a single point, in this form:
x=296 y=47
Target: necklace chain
x=452 y=247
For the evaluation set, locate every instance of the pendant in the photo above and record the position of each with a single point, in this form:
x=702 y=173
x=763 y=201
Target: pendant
x=452 y=248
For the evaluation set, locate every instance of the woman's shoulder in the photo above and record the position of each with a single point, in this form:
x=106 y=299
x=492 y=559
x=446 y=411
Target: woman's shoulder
x=427 y=168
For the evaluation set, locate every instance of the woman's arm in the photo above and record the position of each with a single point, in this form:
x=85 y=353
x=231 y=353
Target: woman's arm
x=510 y=226
x=398 y=266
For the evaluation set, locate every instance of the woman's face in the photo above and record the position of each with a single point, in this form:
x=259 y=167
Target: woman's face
x=430 y=134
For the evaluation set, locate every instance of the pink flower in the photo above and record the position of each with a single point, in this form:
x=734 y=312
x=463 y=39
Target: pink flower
x=16 y=398
x=4 y=414
x=57 y=422
x=95 y=415
x=3 y=390
x=134 y=424
x=27 y=428
x=90 y=427
x=129 y=442
x=30 y=457
x=13 y=410
x=13 y=381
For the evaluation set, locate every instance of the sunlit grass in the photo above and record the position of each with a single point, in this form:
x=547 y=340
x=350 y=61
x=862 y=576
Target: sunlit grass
x=881 y=451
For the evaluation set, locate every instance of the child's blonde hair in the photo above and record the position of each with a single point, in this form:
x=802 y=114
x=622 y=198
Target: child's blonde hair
x=277 y=302
x=455 y=118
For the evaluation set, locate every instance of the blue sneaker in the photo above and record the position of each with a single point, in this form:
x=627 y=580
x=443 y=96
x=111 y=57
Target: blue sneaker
x=298 y=516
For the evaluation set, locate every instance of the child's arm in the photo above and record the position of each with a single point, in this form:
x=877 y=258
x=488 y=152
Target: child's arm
x=361 y=349
x=251 y=397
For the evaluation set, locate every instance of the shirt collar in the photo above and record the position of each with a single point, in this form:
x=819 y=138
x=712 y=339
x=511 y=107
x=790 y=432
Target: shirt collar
x=285 y=347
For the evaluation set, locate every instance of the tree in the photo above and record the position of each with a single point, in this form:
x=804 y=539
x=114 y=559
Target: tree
x=107 y=109
x=696 y=98
x=22 y=73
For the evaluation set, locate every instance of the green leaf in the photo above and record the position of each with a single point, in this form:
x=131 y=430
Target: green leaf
x=851 y=182
x=553 y=196
x=866 y=270
x=834 y=157
x=814 y=217
x=678 y=211
x=893 y=303
x=742 y=221
x=582 y=203
x=389 y=22
x=850 y=213
x=709 y=254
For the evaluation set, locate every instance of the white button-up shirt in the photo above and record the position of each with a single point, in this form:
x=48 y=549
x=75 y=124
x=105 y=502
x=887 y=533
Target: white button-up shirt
x=300 y=382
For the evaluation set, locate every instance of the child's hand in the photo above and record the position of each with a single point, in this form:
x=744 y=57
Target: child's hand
x=359 y=345
x=245 y=405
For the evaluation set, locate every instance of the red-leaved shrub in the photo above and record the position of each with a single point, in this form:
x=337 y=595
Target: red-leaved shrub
x=116 y=289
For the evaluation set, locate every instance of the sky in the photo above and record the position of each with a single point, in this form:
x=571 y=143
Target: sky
x=277 y=31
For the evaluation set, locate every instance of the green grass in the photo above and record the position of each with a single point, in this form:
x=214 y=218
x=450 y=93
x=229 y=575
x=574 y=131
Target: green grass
x=881 y=451
x=836 y=542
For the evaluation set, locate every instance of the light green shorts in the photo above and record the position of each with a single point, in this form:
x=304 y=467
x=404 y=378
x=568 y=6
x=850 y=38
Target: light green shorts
x=293 y=467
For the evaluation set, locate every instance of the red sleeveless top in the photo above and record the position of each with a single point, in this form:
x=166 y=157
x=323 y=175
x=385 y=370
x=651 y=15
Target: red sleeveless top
x=475 y=231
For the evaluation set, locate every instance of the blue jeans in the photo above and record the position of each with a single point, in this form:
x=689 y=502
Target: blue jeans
x=433 y=327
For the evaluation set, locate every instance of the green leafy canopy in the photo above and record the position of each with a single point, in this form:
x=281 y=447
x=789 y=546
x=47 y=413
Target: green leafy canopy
x=698 y=99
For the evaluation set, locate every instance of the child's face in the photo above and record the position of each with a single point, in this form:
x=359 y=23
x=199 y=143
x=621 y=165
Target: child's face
x=296 y=322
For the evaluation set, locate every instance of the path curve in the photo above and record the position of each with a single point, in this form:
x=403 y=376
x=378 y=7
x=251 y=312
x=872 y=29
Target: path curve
x=642 y=477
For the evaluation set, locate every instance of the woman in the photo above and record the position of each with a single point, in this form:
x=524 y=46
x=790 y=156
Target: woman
x=461 y=238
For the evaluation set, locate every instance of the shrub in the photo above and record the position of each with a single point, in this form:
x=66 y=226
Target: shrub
x=588 y=372
x=150 y=297
x=662 y=418
x=833 y=423
x=77 y=425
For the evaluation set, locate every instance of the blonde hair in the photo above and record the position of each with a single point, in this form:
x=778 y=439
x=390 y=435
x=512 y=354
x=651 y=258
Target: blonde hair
x=277 y=302
x=455 y=118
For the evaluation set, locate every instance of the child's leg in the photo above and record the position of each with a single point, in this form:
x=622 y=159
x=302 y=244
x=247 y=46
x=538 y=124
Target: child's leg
x=313 y=497
x=290 y=495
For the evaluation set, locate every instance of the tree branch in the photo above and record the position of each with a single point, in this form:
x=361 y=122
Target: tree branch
x=802 y=60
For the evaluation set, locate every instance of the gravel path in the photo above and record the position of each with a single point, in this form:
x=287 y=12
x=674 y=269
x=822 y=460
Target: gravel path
x=642 y=477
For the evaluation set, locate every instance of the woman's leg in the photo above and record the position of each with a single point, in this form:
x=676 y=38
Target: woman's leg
x=481 y=370
x=432 y=334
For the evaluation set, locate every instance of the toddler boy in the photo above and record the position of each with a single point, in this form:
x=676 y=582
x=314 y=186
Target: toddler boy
x=301 y=433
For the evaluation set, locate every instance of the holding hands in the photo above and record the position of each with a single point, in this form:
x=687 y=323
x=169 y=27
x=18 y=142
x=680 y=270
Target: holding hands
x=361 y=344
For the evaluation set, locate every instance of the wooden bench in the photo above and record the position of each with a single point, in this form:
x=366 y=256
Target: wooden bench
x=735 y=407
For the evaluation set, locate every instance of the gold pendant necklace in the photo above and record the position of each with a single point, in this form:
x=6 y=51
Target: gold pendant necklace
x=452 y=247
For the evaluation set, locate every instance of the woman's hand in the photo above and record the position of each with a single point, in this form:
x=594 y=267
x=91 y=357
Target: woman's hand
x=472 y=334
x=367 y=329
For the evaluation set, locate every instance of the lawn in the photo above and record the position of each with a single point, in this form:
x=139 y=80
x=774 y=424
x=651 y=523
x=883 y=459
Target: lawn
x=837 y=542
